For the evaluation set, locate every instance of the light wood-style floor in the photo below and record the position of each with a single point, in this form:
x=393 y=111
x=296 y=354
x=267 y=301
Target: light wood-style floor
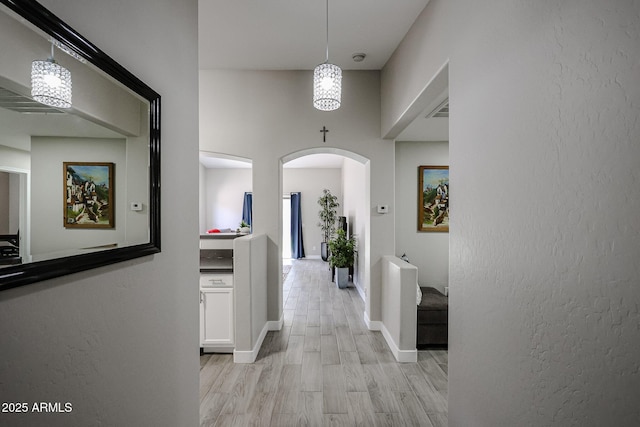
x=324 y=368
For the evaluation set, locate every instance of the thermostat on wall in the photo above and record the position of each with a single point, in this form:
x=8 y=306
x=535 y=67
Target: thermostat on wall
x=383 y=209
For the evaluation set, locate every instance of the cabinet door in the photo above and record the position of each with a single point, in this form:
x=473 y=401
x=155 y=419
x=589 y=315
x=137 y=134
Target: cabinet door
x=201 y=318
x=217 y=323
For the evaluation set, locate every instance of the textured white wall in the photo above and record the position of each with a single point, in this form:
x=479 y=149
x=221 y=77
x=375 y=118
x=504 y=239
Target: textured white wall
x=544 y=305
x=427 y=251
x=120 y=342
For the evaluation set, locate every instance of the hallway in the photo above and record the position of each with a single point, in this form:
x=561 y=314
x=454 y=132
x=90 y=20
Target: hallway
x=323 y=368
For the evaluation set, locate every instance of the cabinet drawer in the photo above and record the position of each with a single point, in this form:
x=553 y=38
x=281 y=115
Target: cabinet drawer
x=216 y=280
x=216 y=243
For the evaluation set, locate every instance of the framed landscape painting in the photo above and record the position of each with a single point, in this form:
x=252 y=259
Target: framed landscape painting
x=89 y=198
x=433 y=198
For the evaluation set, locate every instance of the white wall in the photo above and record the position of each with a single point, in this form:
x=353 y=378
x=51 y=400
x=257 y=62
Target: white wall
x=354 y=207
x=544 y=233
x=310 y=182
x=399 y=314
x=120 y=342
x=48 y=234
x=137 y=190
x=202 y=198
x=283 y=121
x=15 y=158
x=47 y=193
x=250 y=289
x=224 y=197
x=426 y=250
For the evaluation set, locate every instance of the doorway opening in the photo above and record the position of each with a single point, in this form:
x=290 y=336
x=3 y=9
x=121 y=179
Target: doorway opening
x=225 y=183
x=307 y=174
x=14 y=214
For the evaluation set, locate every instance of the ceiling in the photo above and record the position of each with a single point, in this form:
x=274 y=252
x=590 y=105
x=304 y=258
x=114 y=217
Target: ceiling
x=23 y=124
x=432 y=124
x=291 y=34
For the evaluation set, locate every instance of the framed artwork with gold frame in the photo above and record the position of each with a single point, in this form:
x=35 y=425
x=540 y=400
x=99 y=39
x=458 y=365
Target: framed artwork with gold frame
x=433 y=198
x=88 y=195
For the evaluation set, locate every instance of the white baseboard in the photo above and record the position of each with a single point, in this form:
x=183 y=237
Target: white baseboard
x=402 y=356
x=313 y=257
x=217 y=348
x=372 y=325
x=361 y=292
x=276 y=325
x=250 y=356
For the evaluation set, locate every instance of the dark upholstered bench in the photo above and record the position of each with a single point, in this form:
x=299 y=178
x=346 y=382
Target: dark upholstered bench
x=433 y=317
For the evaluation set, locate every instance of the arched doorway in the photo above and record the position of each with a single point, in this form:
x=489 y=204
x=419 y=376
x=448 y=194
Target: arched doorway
x=346 y=174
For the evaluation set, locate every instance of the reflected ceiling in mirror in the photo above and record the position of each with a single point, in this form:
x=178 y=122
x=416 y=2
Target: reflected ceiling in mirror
x=55 y=192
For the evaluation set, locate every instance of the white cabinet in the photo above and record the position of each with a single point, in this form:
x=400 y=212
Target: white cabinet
x=217 y=332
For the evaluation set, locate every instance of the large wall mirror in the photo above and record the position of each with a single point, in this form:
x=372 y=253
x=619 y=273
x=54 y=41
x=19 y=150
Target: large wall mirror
x=79 y=178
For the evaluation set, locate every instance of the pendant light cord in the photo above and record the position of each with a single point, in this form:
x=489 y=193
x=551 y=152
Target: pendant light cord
x=327 y=32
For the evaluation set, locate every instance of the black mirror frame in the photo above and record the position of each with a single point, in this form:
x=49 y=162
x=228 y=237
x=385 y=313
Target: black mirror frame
x=24 y=274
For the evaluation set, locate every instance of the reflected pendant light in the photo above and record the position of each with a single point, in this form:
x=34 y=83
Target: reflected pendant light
x=50 y=83
x=327 y=81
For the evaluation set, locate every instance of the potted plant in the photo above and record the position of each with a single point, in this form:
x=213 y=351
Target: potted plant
x=342 y=251
x=244 y=227
x=327 y=214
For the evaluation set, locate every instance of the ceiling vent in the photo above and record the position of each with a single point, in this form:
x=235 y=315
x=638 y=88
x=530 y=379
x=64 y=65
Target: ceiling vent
x=441 y=110
x=22 y=104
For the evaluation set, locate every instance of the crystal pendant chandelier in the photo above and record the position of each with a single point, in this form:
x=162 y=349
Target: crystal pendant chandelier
x=327 y=81
x=51 y=83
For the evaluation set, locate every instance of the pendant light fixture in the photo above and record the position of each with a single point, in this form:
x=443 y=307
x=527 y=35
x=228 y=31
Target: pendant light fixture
x=327 y=81
x=51 y=83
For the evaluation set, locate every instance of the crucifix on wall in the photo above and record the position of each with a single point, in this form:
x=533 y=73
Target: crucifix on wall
x=324 y=131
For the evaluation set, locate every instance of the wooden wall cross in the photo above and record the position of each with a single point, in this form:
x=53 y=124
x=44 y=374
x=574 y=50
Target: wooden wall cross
x=324 y=131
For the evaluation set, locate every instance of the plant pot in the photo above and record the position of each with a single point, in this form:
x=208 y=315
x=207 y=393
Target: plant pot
x=245 y=230
x=342 y=277
x=324 y=251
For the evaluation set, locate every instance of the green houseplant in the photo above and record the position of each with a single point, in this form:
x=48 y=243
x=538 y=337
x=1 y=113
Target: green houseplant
x=327 y=214
x=342 y=256
x=244 y=227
